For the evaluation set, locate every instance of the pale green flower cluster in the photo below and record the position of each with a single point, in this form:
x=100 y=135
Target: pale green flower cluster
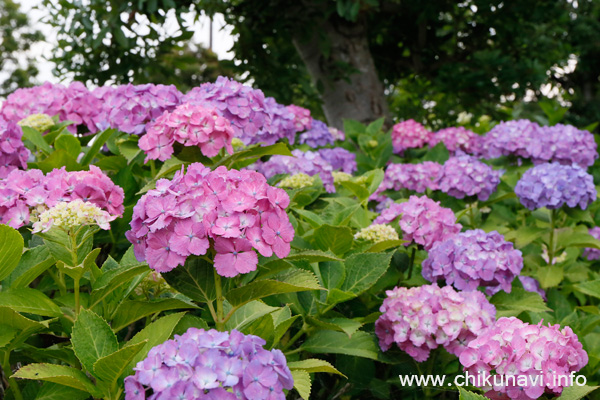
x=237 y=144
x=339 y=176
x=39 y=122
x=377 y=233
x=72 y=214
x=296 y=181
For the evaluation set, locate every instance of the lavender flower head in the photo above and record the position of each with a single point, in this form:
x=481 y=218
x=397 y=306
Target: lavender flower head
x=422 y=318
x=465 y=175
x=409 y=134
x=319 y=135
x=591 y=253
x=474 y=258
x=283 y=120
x=416 y=177
x=302 y=118
x=532 y=285
x=511 y=138
x=457 y=139
x=13 y=153
x=543 y=354
x=554 y=185
x=211 y=365
x=339 y=158
x=564 y=144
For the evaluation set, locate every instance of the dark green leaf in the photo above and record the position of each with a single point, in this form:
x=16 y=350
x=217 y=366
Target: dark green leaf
x=92 y=339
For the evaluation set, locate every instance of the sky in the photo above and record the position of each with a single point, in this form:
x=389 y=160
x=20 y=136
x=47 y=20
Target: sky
x=222 y=39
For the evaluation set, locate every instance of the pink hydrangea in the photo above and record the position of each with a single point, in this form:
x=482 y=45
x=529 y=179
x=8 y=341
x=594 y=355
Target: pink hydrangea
x=415 y=177
x=474 y=258
x=544 y=355
x=463 y=176
x=422 y=221
x=302 y=118
x=235 y=212
x=589 y=252
x=420 y=319
x=191 y=126
x=457 y=139
x=23 y=192
x=409 y=134
x=13 y=153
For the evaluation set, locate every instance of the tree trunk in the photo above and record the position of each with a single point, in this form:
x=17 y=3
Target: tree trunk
x=346 y=76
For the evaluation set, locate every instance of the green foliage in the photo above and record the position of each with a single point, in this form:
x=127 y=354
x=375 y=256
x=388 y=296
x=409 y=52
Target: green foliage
x=11 y=250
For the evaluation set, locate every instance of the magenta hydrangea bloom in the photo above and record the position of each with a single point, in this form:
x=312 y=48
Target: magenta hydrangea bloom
x=129 y=108
x=589 y=252
x=415 y=177
x=532 y=285
x=409 y=134
x=235 y=211
x=457 y=139
x=13 y=153
x=24 y=192
x=464 y=175
x=511 y=138
x=564 y=144
x=191 y=126
x=211 y=365
x=420 y=319
x=302 y=118
x=422 y=221
x=474 y=258
x=553 y=185
x=511 y=347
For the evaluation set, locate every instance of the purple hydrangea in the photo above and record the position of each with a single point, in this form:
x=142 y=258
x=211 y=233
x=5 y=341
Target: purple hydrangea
x=511 y=138
x=545 y=355
x=283 y=120
x=465 y=175
x=589 y=252
x=13 y=153
x=211 y=365
x=564 y=144
x=532 y=285
x=416 y=177
x=420 y=319
x=457 y=139
x=409 y=134
x=553 y=185
x=474 y=258
x=339 y=158
x=319 y=135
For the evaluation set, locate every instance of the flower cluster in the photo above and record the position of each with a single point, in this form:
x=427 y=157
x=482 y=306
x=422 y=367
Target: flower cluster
x=13 y=154
x=409 y=134
x=511 y=347
x=422 y=220
x=510 y=138
x=474 y=258
x=339 y=158
x=465 y=175
x=283 y=120
x=296 y=181
x=39 y=122
x=564 y=144
x=532 y=285
x=422 y=318
x=377 y=233
x=234 y=211
x=71 y=214
x=191 y=126
x=319 y=135
x=591 y=253
x=457 y=139
x=25 y=191
x=553 y=185
x=211 y=365
x=339 y=177
x=129 y=108
x=415 y=177
x=302 y=118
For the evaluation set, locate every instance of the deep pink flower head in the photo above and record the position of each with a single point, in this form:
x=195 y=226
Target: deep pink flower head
x=415 y=177
x=464 y=175
x=422 y=220
x=302 y=118
x=23 y=192
x=409 y=134
x=191 y=126
x=474 y=258
x=512 y=347
x=420 y=319
x=235 y=212
x=13 y=153
x=457 y=139
x=589 y=252
x=211 y=365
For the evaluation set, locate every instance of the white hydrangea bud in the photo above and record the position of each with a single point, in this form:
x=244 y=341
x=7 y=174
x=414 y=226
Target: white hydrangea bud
x=296 y=181
x=39 y=122
x=377 y=233
x=339 y=176
x=72 y=214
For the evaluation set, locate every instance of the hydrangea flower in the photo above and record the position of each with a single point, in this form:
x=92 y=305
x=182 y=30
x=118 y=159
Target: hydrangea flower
x=457 y=139
x=589 y=252
x=420 y=319
x=339 y=177
x=302 y=118
x=296 y=181
x=553 y=185
x=211 y=365
x=409 y=134
x=283 y=120
x=511 y=138
x=465 y=175
x=564 y=144
x=474 y=258
x=511 y=347
x=191 y=126
x=415 y=177
x=339 y=158
x=319 y=135
x=422 y=221
x=377 y=233
x=25 y=192
x=13 y=153
x=71 y=214
x=236 y=212
x=532 y=285
x=39 y=122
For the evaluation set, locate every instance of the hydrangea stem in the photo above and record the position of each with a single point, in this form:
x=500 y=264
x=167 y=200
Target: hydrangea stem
x=220 y=320
x=12 y=382
x=551 y=241
x=74 y=247
x=411 y=262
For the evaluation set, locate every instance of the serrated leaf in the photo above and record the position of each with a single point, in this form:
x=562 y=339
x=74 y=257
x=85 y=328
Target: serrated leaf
x=312 y=256
x=338 y=296
x=247 y=313
x=195 y=279
x=364 y=270
x=29 y=301
x=113 y=279
x=36 y=138
x=550 y=275
x=516 y=302
x=33 y=263
x=338 y=239
x=59 y=158
x=591 y=288
x=361 y=344
x=346 y=325
x=92 y=339
x=12 y=319
x=302 y=383
x=60 y=374
x=133 y=310
x=11 y=249
x=576 y=392
x=385 y=245
x=68 y=143
x=467 y=395
x=99 y=141
x=525 y=235
x=109 y=368
x=54 y=391
x=314 y=365
x=6 y=334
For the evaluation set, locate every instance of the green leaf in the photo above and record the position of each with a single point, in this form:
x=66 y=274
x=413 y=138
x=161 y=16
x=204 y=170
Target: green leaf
x=361 y=192
x=114 y=279
x=130 y=150
x=195 y=279
x=68 y=143
x=576 y=392
x=361 y=344
x=364 y=270
x=439 y=153
x=109 y=368
x=169 y=167
x=99 y=141
x=314 y=365
x=54 y=391
x=132 y=310
x=29 y=301
x=338 y=296
x=346 y=325
x=524 y=235
x=11 y=250
x=92 y=339
x=302 y=383
x=60 y=374
x=467 y=395
x=385 y=245
x=591 y=288
x=59 y=158
x=33 y=263
x=247 y=313
x=568 y=238
x=312 y=218
x=12 y=319
x=550 y=275
x=338 y=239
x=516 y=302
x=312 y=256
x=36 y=138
